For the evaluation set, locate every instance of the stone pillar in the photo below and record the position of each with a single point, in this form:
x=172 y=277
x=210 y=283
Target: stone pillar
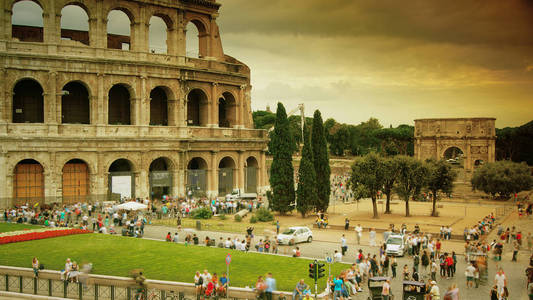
x=468 y=154
x=94 y=31
x=213 y=176
x=5 y=20
x=240 y=171
x=94 y=102
x=101 y=26
x=5 y=98
x=4 y=182
x=143 y=108
x=135 y=116
x=181 y=173
x=137 y=185
x=93 y=187
x=50 y=99
x=101 y=101
x=240 y=110
x=172 y=38
x=142 y=184
x=181 y=32
x=175 y=190
x=213 y=107
x=182 y=111
x=102 y=177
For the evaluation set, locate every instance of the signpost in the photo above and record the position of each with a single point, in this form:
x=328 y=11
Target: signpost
x=228 y=261
x=329 y=260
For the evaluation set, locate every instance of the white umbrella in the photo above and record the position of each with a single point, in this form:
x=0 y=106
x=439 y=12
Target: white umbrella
x=132 y=206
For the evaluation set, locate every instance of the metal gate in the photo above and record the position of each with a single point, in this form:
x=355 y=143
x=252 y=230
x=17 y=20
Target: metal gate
x=225 y=181
x=196 y=180
x=116 y=189
x=75 y=183
x=28 y=184
x=160 y=184
x=251 y=180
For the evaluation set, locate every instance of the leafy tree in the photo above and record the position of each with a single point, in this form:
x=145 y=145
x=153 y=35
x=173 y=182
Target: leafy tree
x=307 y=188
x=339 y=138
x=367 y=178
x=327 y=128
x=502 y=178
x=440 y=178
x=390 y=173
x=412 y=175
x=321 y=162
x=281 y=172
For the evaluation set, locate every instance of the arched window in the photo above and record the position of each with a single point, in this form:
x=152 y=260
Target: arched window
x=28 y=182
x=75 y=24
x=158 y=107
x=75 y=106
x=196 y=39
x=250 y=180
x=121 y=179
x=118 y=30
x=227 y=110
x=197 y=108
x=197 y=175
x=27 y=21
x=119 y=106
x=157 y=35
x=160 y=178
x=28 y=102
x=225 y=176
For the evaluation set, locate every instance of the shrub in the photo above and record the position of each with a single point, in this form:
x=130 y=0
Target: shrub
x=253 y=219
x=264 y=215
x=222 y=217
x=238 y=218
x=202 y=213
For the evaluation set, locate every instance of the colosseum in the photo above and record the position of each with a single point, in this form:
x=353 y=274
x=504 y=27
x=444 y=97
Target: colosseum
x=89 y=114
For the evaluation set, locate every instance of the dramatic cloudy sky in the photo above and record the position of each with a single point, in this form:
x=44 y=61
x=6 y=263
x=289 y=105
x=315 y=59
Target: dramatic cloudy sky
x=394 y=60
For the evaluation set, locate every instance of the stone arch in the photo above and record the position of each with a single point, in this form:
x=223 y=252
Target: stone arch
x=27 y=101
x=28 y=31
x=160 y=177
x=158 y=33
x=197 y=177
x=91 y=165
x=197 y=107
x=452 y=152
x=75 y=103
x=251 y=171
x=120 y=104
x=227 y=110
x=75 y=11
x=120 y=38
x=196 y=46
x=76 y=184
x=121 y=179
x=28 y=182
x=226 y=175
x=159 y=105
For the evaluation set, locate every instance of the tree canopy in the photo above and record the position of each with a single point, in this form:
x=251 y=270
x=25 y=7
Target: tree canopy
x=367 y=178
x=321 y=162
x=307 y=194
x=502 y=178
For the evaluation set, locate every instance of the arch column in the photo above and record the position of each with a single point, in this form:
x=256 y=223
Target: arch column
x=93 y=31
x=172 y=107
x=143 y=184
x=240 y=171
x=172 y=41
x=181 y=32
x=212 y=190
x=240 y=110
x=135 y=114
x=4 y=183
x=180 y=179
x=212 y=110
x=263 y=173
x=5 y=20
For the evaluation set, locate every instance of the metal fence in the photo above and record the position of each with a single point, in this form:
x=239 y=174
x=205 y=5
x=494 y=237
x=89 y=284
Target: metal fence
x=98 y=287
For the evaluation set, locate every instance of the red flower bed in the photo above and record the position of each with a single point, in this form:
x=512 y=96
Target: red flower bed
x=40 y=235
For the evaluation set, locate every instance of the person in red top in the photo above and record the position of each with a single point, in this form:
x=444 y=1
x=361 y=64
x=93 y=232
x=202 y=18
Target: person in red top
x=449 y=264
x=438 y=246
x=519 y=238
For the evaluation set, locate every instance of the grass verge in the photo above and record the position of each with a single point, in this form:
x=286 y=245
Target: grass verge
x=7 y=227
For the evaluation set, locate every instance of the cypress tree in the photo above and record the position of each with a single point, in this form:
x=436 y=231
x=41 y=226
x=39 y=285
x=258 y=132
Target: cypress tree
x=321 y=162
x=282 y=171
x=307 y=189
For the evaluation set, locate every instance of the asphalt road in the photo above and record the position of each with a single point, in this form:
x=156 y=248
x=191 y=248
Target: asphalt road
x=515 y=271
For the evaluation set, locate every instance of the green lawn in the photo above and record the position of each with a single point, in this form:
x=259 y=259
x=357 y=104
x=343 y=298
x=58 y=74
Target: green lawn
x=216 y=224
x=117 y=255
x=6 y=227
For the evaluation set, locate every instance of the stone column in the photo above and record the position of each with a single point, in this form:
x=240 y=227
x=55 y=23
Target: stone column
x=50 y=99
x=142 y=184
x=263 y=177
x=468 y=154
x=172 y=38
x=213 y=106
x=181 y=32
x=143 y=108
x=101 y=26
x=135 y=106
x=93 y=117
x=5 y=98
x=181 y=179
x=93 y=187
x=213 y=176
x=94 y=31
x=101 y=101
x=240 y=114
x=102 y=177
x=240 y=171
x=4 y=182
x=5 y=20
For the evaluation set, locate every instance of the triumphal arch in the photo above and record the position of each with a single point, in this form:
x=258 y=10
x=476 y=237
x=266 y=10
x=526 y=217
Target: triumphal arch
x=89 y=112
x=467 y=141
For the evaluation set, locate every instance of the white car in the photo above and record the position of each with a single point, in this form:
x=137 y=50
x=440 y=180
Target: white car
x=395 y=245
x=295 y=235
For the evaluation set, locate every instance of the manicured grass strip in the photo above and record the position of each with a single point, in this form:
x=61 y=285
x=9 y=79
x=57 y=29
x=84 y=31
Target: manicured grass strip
x=7 y=227
x=117 y=255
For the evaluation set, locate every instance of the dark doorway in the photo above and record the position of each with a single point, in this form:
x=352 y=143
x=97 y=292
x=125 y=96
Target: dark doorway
x=158 y=107
x=28 y=102
x=119 y=106
x=75 y=107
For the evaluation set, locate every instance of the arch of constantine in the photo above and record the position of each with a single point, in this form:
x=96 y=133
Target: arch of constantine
x=471 y=139
x=84 y=114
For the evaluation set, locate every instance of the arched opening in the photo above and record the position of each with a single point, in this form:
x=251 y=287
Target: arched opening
x=196 y=39
x=75 y=182
x=74 y=24
x=453 y=155
x=75 y=106
x=250 y=181
x=158 y=107
x=157 y=32
x=225 y=176
x=196 y=176
x=121 y=180
x=227 y=107
x=28 y=182
x=119 y=106
x=27 y=22
x=160 y=178
x=118 y=30
x=197 y=107
x=28 y=102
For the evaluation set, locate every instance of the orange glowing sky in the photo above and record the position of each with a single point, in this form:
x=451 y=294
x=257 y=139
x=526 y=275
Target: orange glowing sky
x=394 y=60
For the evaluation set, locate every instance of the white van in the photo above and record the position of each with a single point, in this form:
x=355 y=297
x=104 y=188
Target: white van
x=395 y=245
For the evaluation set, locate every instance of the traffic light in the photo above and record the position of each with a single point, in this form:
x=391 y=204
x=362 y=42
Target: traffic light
x=312 y=270
x=320 y=270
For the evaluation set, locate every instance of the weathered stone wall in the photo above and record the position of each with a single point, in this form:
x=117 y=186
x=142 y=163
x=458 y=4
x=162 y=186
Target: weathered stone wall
x=55 y=62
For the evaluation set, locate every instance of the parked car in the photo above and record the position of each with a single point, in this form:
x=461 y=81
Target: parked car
x=294 y=235
x=395 y=245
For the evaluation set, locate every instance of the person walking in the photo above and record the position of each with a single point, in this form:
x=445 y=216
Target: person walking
x=372 y=237
x=469 y=273
x=385 y=291
x=434 y=292
x=344 y=245
x=393 y=265
x=501 y=282
x=358 y=233
x=516 y=248
x=346 y=224
x=270 y=286
x=35 y=266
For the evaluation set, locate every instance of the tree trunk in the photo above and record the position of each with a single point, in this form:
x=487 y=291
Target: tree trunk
x=375 y=207
x=387 y=205
x=407 y=207
x=434 y=211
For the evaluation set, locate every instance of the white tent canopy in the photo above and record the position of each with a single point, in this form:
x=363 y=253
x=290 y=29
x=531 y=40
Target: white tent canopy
x=132 y=206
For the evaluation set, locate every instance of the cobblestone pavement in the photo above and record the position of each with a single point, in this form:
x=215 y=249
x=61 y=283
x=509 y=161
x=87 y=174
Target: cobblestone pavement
x=515 y=271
